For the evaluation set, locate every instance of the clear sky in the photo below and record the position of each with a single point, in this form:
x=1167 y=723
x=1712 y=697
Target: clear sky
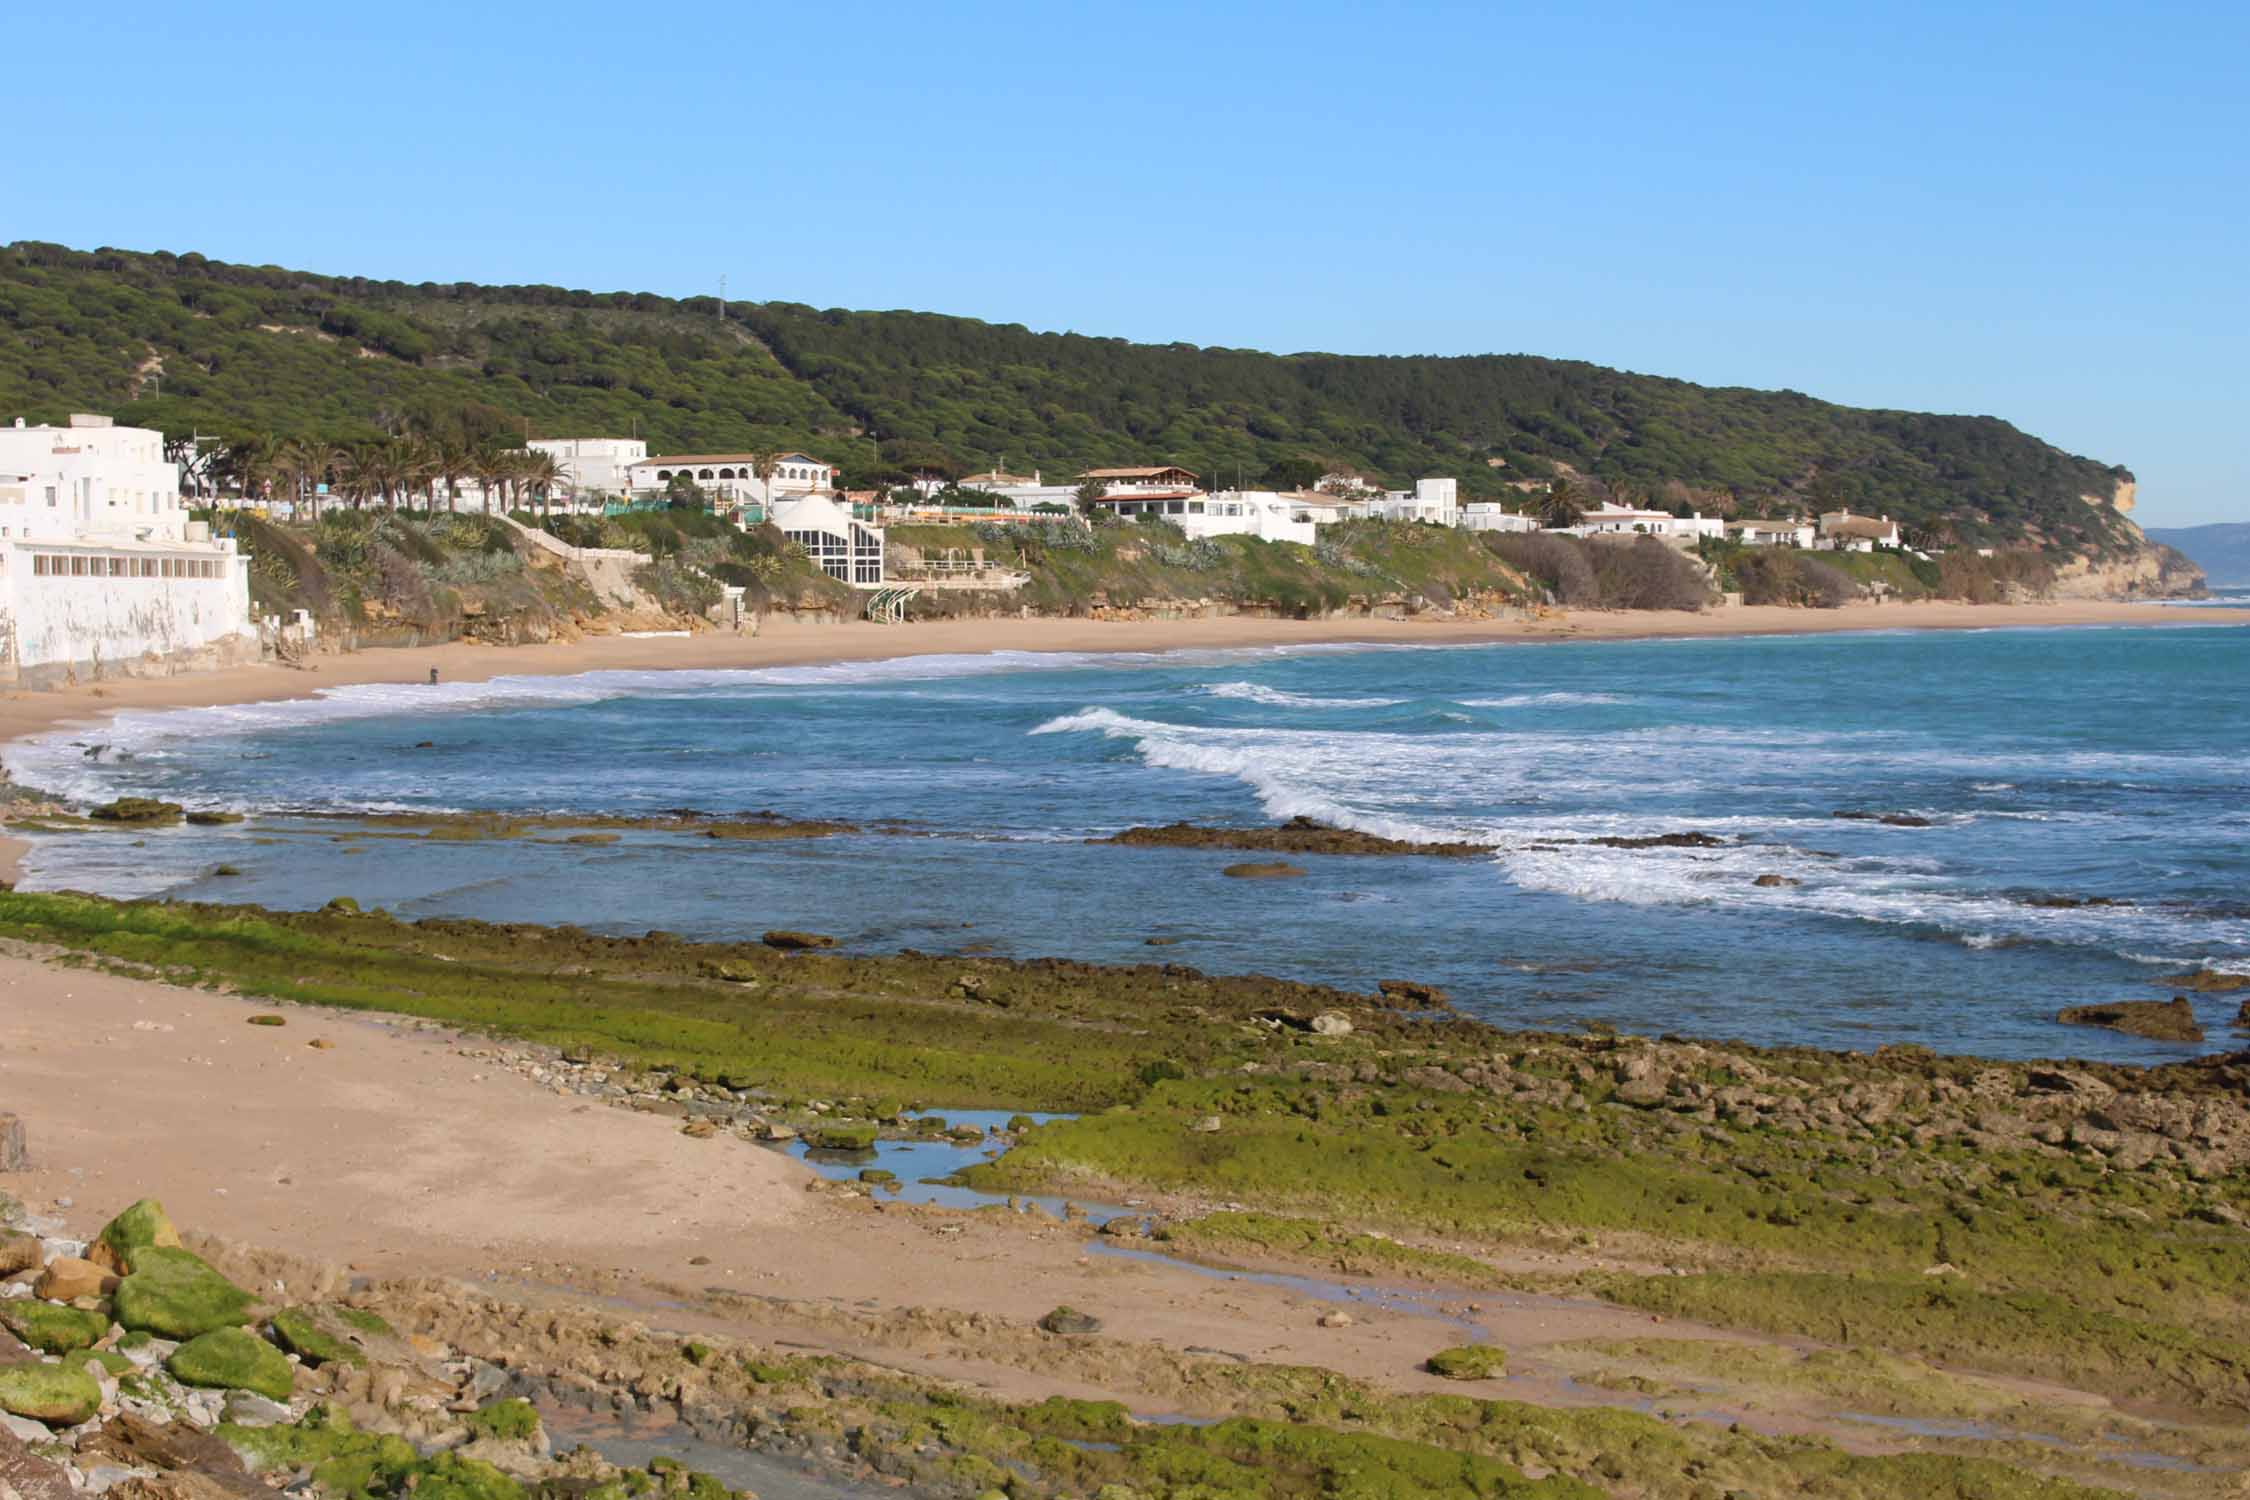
x=2037 y=211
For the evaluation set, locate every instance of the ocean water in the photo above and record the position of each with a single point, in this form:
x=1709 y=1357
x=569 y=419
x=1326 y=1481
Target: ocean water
x=2052 y=767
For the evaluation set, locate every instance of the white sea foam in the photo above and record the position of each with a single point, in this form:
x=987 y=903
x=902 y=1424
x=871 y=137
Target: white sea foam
x=1258 y=692
x=1545 y=700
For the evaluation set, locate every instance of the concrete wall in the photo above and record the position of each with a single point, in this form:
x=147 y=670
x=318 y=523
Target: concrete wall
x=59 y=626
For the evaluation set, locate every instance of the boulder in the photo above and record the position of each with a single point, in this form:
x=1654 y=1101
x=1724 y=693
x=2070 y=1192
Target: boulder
x=233 y=1359
x=1469 y=1362
x=845 y=1138
x=206 y=818
x=140 y=811
x=19 y=1252
x=1332 y=1023
x=56 y=1330
x=70 y=1278
x=58 y=1395
x=2208 y=982
x=1413 y=994
x=789 y=941
x=1270 y=869
x=316 y=1335
x=1069 y=1320
x=1775 y=882
x=175 y=1295
x=2159 y=1020
x=1641 y=1093
x=140 y=1226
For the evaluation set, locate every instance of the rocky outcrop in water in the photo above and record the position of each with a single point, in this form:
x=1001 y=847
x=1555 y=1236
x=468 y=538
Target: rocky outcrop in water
x=2159 y=1020
x=1297 y=836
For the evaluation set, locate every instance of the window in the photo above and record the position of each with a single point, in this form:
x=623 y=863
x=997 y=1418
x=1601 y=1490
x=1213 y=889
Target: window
x=78 y=567
x=50 y=497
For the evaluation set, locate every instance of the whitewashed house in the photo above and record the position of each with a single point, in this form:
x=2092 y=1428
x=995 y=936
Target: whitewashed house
x=1170 y=493
x=101 y=571
x=1842 y=531
x=1772 y=533
x=1491 y=515
x=593 y=467
x=732 y=477
x=1611 y=519
x=1437 y=501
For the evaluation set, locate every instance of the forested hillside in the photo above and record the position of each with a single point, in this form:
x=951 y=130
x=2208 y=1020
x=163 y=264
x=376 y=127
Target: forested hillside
x=180 y=342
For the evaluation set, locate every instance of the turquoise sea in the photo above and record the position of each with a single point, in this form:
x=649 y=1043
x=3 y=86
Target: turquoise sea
x=2073 y=815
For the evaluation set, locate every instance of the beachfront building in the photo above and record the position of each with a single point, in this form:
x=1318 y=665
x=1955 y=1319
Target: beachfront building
x=1611 y=519
x=732 y=478
x=1842 y=531
x=593 y=467
x=101 y=570
x=1772 y=533
x=1437 y=501
x=838 y=542
x=1491 y=515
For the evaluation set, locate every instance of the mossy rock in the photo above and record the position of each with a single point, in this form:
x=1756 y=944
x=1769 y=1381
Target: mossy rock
x=845 y=1138
x=880 y=1176
x=268 y=1018
x=138 y=1228
x=365 y=1321
x=313 y=1335
x=59 y=1395
x=510 y=1421
x=233 y=1359
x=341 y=906
x=54 y=1329
x=1470 y=1362
x=210 y=819
x=109 y=1359
x=138 y=811
x=175 y=1295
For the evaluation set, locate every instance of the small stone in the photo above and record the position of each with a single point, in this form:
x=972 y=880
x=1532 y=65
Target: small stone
x=320 y=1044
x=1332 y=1023
x=1336 y=1320
x=248 y=1409
x=269 y=1019
x=1209 y=1125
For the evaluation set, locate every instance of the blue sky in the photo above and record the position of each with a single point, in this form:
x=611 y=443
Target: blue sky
x=2034 y=211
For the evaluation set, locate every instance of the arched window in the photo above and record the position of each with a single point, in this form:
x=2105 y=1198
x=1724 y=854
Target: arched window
x=663 y=476
x=703 y=474
x=726 y=473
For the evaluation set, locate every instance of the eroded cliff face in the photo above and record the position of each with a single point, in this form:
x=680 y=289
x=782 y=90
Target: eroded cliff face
x=2149 y=571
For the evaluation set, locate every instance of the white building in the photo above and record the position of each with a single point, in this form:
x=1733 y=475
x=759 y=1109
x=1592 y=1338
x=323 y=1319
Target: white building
x=838 y=543
x=1170 y=492
x=1845 y=532
x=733 y=477
x=1437 y=501
x=1611 y=519
x=593 y=466
x=101 y=571
x=1491 y=515
x=1772 y=533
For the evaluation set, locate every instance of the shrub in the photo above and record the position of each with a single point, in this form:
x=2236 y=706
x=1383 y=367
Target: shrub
x=1776 y=575
x=1647 y=574
x=1557 y=563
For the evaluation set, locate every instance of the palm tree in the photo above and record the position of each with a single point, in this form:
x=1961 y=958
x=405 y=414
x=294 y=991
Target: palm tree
x=1560 y=506
x=359 y=473
x=542 y=473
x=252 y=462
x=418 y=469
x=317 y=462
x=453 y=461
x=490 y=466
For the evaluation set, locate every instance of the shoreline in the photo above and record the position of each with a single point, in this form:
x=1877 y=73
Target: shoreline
x=27 y=712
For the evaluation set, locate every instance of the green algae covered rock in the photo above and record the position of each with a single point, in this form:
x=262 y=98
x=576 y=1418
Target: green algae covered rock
x=233 y=1359
x=174 y=1294
x=1470 y=1362
x=138 y=1228
x=140 y=811
x=511 y=1421
x=59 y=1395
x=315 y=1335
x=56 y=1330
x=845 y=1138
x=111 y=1362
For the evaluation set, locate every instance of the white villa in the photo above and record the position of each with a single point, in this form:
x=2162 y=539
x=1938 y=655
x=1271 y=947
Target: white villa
x=1845 y=532
x=101 y=571
x=1491 y=515
x=1437 y=501
x=593 y=466
x=1172 y=493
x=1772 y=533
x=733 y=477
x=1612 y=519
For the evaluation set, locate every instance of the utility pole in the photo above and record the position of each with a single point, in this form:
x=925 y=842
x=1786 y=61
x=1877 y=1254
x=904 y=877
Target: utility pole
x=722 y=297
